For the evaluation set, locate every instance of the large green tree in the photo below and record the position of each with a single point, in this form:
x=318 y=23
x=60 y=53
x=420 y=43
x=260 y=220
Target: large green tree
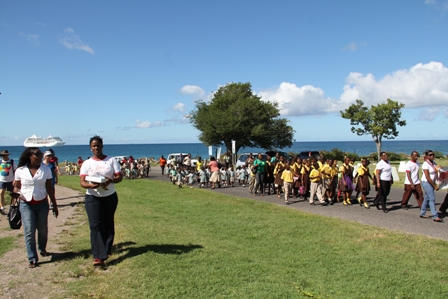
x=379 y=121
x=236 y=113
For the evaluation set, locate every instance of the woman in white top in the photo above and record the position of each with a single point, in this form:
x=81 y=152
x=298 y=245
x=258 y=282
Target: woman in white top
x=33 y=180
x=101 y=199
x=429 y=179
x=384 y=181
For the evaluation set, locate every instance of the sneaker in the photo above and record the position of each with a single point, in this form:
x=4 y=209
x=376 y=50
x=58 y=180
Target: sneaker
x=348 y=201
x=2 y=211
x=366 y=205
x=405 y=207
x=345 y=203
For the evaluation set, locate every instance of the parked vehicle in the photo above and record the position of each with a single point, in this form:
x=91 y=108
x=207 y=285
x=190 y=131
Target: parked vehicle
x=309 y=154
x=243 y=157
x=172 y=158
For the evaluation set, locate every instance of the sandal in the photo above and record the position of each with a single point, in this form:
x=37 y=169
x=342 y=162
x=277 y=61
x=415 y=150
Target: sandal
x=32 y=265
x=438 y=219
x=98 y=262
x=425 y=217
x=45 y=253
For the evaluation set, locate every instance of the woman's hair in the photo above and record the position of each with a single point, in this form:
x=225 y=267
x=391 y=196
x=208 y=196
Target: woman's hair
x=427 y=152
x=25 y=157
x=212 y=158
x=96 y=138
x=382 y=153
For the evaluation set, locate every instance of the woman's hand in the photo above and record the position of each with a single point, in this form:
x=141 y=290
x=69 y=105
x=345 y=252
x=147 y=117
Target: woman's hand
x=55 y=210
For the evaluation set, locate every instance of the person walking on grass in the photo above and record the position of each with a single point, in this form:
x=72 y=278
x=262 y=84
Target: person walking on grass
x=32 y=186
x=383 y=173
x=101 y=199
x=429 y=184
x=412 y=182
x=7 y=169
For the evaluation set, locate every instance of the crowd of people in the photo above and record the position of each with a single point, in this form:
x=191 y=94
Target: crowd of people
x=317 y=179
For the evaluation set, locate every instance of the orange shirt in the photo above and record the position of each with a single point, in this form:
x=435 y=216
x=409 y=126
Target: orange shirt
x=162 y=161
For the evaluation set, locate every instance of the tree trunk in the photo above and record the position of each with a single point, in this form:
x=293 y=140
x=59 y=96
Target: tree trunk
x=378 y=142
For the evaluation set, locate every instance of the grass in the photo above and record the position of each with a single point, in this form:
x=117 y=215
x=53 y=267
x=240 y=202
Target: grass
x=192 y=243
x=6 y=244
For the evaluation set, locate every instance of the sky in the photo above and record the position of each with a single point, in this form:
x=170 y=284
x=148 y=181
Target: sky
x=131 y=71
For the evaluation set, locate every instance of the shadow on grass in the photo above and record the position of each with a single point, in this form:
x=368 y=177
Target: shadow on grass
x=130 y=250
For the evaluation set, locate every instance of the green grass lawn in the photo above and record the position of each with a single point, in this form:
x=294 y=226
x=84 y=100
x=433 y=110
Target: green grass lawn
x=193 y=243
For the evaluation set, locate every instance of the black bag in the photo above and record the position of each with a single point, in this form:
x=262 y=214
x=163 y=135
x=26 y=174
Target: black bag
x=14 y=216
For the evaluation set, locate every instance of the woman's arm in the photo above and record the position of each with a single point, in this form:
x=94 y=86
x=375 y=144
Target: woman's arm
x=430 y=181
x=377 y=174
x=50 y=191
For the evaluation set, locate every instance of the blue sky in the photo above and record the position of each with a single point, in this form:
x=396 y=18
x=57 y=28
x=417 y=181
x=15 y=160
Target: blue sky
x=131 y=70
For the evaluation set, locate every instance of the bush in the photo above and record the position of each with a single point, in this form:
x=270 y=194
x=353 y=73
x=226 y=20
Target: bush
x=391 y=155
x=337 y=154
x=438 y=155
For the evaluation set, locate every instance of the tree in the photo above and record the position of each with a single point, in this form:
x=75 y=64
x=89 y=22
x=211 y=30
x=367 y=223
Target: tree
x=380 y=121
x=236 y=113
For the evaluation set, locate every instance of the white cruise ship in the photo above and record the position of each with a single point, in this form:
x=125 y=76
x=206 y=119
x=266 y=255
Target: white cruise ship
x=50 y=141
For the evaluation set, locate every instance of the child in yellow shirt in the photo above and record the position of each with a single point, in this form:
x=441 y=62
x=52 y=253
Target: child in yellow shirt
x=316 y=185
x=288 y=179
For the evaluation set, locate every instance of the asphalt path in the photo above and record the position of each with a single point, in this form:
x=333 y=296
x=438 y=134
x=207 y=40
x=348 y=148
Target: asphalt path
x=399 y=219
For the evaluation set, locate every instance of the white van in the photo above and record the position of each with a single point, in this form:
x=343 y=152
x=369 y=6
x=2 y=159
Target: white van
x=243 y=157
x=171 y=158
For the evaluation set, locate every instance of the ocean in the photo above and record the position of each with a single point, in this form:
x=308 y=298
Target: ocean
x=71 y=152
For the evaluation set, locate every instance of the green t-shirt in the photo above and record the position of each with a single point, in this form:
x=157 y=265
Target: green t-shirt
x=261 y=165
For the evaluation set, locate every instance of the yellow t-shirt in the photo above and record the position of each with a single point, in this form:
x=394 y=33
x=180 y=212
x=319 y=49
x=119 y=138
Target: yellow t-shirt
x=326 y=171
x=334 y=171
x=288 y=176
x=315 y=176
x=305 y=169
x=199 y=165
x=362 y=171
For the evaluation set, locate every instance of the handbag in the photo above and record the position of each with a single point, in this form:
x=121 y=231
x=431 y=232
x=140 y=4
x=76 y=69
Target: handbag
x=14 y=216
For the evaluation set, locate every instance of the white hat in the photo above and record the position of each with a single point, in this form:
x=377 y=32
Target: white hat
x=48 y=153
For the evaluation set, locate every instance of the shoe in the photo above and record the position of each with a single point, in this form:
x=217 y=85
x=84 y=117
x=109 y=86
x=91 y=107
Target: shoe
x=405 y=207
x=385 y=210
x=438 y=219
x=323 y=204
x=287 y=202
x=312 y=203
x=366 y=205
x=425 y=217
x=98 y=262
x=345 y=203
x=2 y=211
x=45 y=253
x=331 y=202
x=360 y=199
x=348 y=201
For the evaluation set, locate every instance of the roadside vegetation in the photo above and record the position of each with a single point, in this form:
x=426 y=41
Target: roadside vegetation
x=192 y=243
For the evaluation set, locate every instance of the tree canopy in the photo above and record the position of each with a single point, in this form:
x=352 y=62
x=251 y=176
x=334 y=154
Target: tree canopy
x=236 y=113
x=379 y=121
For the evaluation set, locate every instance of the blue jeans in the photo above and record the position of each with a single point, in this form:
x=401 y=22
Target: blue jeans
x=35 y=217
x=101 y=211
x=430 y=198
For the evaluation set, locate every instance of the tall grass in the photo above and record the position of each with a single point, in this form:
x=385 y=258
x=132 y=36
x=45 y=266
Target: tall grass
x=193 y=243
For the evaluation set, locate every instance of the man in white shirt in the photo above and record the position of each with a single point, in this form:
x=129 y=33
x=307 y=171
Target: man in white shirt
x=7 y=169
x=412 y=182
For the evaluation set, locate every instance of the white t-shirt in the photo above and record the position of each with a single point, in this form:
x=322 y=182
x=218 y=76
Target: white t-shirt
x=431 y=169
x=107 y=167
x=386 y=173
x=7 y=171
x=33 y=187
x=413 y=168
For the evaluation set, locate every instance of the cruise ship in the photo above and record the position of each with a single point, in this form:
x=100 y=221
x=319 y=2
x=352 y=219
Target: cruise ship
x=50 y=141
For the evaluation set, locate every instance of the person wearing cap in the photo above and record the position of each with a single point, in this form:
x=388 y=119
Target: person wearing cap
x=48 y=155
x=32 y=180
x=7 y=169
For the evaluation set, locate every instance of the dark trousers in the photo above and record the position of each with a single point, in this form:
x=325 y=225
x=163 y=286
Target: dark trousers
x=101 y=211
x=163 y=169
x=444 y=205
x=418 y=194
x=259 y=181
x=384 y=192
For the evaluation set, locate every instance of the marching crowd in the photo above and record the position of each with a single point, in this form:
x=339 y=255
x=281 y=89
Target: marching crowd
x=316 y=179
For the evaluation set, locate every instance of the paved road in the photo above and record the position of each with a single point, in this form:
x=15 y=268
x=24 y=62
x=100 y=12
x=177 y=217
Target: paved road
x=397 y=219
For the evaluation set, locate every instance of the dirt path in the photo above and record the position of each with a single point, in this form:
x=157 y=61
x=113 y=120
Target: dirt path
x=16 y=279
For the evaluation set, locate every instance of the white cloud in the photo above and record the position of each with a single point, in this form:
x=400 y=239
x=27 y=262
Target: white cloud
x=71 y=41
x=423 y=85
x=33 y=38
x=294 y=100
x=354 y=46
x=148 y=124
x=179 y=107
x=420 y=86
x=196 y=92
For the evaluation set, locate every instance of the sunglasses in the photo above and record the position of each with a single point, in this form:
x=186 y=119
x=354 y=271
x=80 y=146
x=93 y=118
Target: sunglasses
x=431 y=155
x=38 y=154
